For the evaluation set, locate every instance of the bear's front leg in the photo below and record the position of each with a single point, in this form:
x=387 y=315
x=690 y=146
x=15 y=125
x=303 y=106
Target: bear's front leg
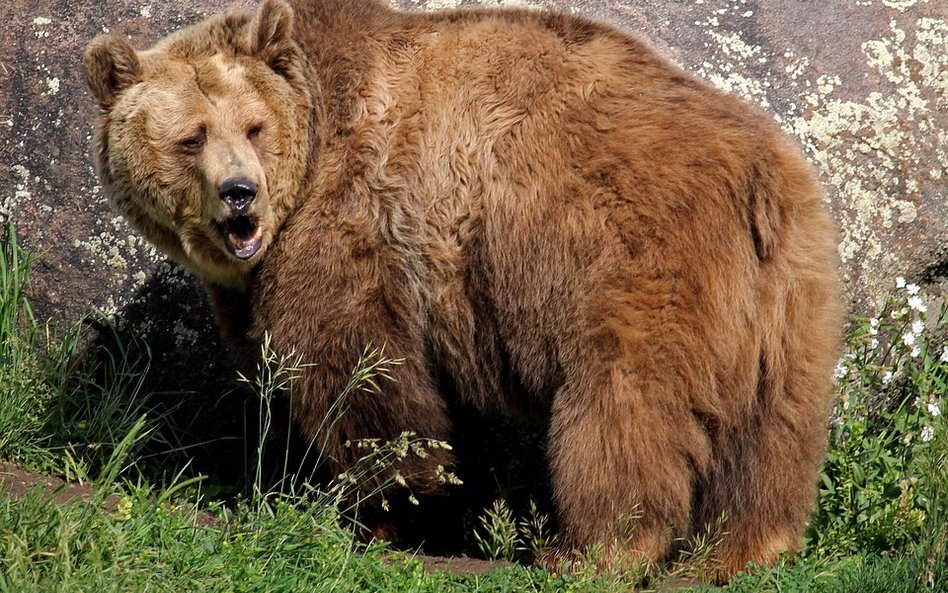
x=326 y=294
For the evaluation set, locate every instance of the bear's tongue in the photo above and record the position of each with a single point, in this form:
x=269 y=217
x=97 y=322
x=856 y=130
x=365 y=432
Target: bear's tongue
x=244 y=236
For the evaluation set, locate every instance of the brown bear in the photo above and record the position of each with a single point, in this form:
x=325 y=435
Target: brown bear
x=532 y=206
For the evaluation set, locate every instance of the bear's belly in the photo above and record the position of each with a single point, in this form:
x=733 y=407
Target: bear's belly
x=471 y=359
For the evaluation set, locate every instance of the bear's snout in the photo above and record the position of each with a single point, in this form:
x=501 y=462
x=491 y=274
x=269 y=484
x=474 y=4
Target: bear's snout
x=238 y=193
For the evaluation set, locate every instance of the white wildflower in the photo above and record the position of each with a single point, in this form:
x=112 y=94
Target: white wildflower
x=887 y=378
x=916 y=303
x=874 y=343
x=928 y=433
x=934 y=410
x=918 y=326
x=899 y=282
x=915 y=351
x=912 y=289
x=908 y=338
x=840 y=371
x=874 y=326
x=944 y=355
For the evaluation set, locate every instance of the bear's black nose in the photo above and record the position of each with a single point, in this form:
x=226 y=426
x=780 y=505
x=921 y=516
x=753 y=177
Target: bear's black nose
x=237 y=193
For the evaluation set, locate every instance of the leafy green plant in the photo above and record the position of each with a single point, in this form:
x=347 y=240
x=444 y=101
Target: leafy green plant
x=891 y=389
x=23 y=394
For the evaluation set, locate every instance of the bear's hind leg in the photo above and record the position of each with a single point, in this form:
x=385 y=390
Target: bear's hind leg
x=766 y=467
x=764 y=484
x=624 y=456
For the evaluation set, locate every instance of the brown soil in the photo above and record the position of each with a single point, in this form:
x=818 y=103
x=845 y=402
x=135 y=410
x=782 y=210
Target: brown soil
x=15 y=482
x=457 y=564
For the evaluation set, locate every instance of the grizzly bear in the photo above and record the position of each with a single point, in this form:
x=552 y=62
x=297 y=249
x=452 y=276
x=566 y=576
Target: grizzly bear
x=528 y=208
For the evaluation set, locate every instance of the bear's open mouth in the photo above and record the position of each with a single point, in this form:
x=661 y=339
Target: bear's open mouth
x=243 y=235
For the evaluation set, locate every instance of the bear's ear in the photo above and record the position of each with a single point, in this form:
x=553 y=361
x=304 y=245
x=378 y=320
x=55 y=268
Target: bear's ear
x=111 y=66
x=272 y=27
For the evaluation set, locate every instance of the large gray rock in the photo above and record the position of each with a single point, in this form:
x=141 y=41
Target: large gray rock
x=862 y=84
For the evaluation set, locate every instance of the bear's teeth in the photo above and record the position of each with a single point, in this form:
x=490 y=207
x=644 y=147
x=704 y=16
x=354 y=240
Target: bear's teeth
x=244 y=236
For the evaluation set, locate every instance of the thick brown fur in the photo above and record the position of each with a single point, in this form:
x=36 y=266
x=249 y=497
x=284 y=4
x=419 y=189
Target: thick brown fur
x=531 y=204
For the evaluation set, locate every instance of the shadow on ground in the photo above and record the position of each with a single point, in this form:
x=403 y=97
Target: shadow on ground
x=208 y=423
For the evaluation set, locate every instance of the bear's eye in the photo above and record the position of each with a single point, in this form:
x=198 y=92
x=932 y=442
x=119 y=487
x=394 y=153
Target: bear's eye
x=194 y=143
x=254 y=131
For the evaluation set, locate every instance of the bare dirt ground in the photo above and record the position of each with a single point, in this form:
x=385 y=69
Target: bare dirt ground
x=16 y=482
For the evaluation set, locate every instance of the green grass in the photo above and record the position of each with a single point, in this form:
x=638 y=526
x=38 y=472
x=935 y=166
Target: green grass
x=66 y=402
x=21 y=381
x=880 y=525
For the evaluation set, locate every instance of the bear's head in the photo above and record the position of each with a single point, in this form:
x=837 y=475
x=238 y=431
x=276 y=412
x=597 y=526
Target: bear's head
x=203 y=139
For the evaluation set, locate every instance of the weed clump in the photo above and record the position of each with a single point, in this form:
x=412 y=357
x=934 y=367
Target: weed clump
x=66 y=404
x=881 y=489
